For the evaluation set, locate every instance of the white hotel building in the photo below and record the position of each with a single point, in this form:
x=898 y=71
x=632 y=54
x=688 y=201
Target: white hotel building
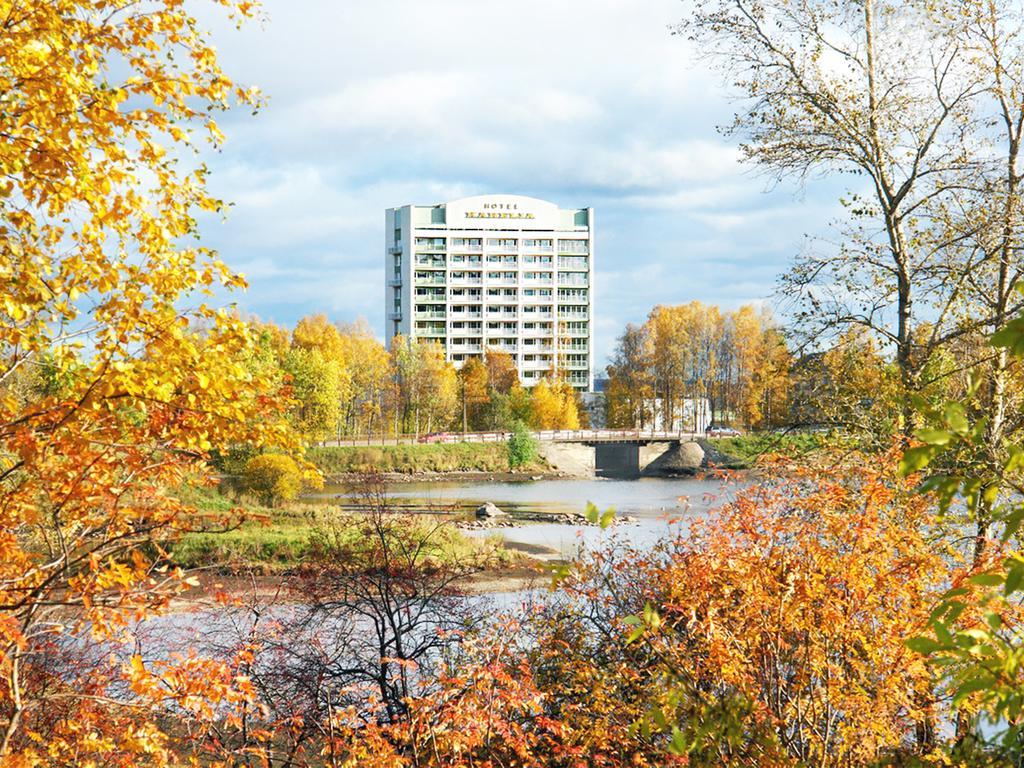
x=495 y=271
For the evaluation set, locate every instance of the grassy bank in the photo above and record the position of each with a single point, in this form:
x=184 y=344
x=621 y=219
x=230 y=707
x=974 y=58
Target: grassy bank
x=745 y=451
x=410 y=459
x=278 y=539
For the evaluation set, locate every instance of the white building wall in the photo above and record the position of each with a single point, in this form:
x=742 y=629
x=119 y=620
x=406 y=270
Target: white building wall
x=495 y=271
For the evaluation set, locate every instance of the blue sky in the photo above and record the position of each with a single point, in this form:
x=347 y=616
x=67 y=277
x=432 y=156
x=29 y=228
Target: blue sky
x=378 y=103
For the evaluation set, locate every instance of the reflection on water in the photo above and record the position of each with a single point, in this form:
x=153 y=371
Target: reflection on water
x=661 y=506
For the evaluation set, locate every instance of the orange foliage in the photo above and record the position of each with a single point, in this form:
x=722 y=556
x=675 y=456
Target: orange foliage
x=110 y=393
x=795 y=603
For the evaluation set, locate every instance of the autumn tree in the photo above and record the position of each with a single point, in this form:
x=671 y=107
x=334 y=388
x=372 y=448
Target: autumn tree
x=319 y=387
x=425 y=385
x=690 y=363
x=629 y=397
x=898 y=93
x=368 y=371
x=849 y=386
x=502 y=374
x=553 y=405
x=101 y=279
x=474 y=393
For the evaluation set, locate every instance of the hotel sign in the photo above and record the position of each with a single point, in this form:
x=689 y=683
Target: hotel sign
x=499 y=211
x=496 y=210
x=498 y=215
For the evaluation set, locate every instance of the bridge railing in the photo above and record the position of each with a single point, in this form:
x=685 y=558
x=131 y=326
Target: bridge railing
x=546 y=435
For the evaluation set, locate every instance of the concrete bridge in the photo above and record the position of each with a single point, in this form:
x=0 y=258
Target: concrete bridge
x=625 y=457
x=585 y=436
x=583 y=452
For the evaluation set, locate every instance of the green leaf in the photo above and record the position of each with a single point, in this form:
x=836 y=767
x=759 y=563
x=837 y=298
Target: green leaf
x=923 y=645
x=935 y=436
x=559 y=573
x=1013 y=521
x=987 y=579
x=607 y=518
x=1014 y=579
x=678 y=745
x=981 y=682
x=593 y=513
x=1010 y=336
x=915 y=459
x=956 y=418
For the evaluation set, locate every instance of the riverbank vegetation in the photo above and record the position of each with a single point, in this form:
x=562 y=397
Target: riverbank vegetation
x=414 y=459
x=746 y=451
x=855 y=607
x=245 y=537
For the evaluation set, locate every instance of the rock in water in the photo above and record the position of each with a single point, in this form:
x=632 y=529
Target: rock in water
x=683 y=459
x=489 y=510
x=690 y=456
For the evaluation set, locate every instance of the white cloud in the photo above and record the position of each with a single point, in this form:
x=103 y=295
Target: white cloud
x=382 y=103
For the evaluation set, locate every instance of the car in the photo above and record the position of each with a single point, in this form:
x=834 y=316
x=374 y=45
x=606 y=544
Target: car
x=433 y=437
x=721 y=430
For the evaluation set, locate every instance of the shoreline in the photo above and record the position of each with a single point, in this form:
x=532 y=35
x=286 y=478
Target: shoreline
x=482 y=476
x=455 y=476
x=227 y=589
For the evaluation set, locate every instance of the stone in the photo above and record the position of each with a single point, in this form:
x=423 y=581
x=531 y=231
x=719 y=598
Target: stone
x=488 y=510
x=683 y=459
x=690 y=455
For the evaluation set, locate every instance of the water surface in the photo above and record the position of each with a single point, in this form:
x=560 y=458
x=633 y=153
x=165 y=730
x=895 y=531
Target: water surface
x=659 y=505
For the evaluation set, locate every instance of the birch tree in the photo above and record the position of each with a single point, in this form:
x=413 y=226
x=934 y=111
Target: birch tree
x=880 y=91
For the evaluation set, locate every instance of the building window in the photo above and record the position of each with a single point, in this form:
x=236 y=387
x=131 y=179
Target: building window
x=573 y=246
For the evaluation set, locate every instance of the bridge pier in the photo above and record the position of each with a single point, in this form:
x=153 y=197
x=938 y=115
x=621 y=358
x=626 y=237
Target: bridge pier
x=574 y=458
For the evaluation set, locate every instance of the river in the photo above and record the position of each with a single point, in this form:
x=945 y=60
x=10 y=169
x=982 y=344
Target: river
x=657 y=504
x=660 y=507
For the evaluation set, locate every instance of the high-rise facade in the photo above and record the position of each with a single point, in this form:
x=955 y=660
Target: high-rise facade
x=502 y=272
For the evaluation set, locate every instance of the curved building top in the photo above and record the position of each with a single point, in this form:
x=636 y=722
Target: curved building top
x=500 y=212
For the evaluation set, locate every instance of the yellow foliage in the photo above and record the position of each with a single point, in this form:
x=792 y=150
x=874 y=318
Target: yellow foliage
x=275 y=478
x=553 y=406
x=97 y=259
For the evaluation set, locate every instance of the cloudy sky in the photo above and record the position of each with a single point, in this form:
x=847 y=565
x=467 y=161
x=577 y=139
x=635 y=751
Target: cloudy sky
x=378 y=103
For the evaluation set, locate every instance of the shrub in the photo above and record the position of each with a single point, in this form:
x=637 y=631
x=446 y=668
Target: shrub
x=274 y=477
x=522 y=447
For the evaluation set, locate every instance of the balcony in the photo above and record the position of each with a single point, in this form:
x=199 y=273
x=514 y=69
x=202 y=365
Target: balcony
x=574 y=247
x=430 y=247
x=395 y=249
x=433 y=315
x=572 y=281
x=396 y=315
x=395 y=282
